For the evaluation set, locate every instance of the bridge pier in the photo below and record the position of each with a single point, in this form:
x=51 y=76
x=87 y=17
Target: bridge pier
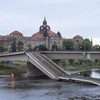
x=33 y=71
x=88 y=56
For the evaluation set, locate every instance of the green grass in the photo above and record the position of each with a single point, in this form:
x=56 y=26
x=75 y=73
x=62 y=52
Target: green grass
x=16 y=67
x=78 y=68
x=75 y=65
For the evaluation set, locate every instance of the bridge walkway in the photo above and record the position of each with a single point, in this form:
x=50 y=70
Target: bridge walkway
x=46 y=65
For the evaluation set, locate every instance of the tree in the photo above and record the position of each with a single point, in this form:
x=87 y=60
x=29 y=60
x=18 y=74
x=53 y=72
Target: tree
x=41 y=47
x=68 y=44
x=87 y=45
x=54 y=47
x=78 y=46
x=96 y=47
x=20 y=45
x=13 y=46
x=2 y=48
x=29 y=47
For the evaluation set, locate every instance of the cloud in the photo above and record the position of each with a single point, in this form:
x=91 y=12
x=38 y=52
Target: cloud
x=70 y=17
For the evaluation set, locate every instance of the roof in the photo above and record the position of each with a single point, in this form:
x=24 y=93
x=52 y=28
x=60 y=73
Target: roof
x=39 y=35
x=16 y=34
x=77 y=37
x=3 y=37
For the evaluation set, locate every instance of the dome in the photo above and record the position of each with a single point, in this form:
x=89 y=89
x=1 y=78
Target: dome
x=16 y=34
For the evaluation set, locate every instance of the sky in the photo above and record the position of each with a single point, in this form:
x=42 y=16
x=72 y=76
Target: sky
x=69 y=17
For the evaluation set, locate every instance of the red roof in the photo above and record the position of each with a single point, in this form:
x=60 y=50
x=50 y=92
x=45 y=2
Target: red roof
x=16 y=33
x=3 y=37
x=39 y=35
x=77 y=37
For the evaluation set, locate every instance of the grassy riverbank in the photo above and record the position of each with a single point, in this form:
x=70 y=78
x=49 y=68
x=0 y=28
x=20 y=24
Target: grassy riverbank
x=78 y=65
x=16 y=67
x=79 y=68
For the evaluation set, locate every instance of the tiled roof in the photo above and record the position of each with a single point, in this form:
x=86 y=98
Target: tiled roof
x=77 y=37
x=39 y=35
x=3 y=37
x=16 y=33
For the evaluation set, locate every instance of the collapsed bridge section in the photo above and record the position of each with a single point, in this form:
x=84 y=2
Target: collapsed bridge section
x=45 y=65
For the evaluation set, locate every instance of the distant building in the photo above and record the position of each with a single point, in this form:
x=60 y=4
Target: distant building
x=78 y=39
x=44 y=37
x=47 y=37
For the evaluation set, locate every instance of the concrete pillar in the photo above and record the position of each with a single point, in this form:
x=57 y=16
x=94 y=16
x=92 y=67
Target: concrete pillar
x=88 y=56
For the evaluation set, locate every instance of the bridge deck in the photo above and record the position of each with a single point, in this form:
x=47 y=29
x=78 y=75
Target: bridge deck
x=81 y=80
x=47 y=66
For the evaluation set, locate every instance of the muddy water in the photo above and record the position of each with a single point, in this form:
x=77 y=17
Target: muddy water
x=46 y=89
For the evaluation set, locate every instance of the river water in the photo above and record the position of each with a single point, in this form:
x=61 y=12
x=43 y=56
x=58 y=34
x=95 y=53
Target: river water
x=46 y=89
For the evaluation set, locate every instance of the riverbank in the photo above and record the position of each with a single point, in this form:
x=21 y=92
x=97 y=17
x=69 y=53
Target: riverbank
x=16 y=67
x=80 y=68
x=79 y=65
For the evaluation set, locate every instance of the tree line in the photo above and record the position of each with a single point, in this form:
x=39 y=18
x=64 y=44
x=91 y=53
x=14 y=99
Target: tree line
x=67 y=45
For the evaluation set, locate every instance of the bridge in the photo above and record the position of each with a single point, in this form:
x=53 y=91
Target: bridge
x=40 y=63
x=21 y=56
x=72 y=54
x=45 y=65
x=54 y=55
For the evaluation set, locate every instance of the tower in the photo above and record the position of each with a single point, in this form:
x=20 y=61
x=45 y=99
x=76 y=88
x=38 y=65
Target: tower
x=44 y=26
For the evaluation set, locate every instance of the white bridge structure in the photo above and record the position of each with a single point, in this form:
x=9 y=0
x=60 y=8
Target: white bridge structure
x=53 y=55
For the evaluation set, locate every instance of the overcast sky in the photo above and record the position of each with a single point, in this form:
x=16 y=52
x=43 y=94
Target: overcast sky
x=70 y=17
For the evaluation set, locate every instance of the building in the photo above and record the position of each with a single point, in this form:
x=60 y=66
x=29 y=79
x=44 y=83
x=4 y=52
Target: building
x=78 y=39
x=45 y=36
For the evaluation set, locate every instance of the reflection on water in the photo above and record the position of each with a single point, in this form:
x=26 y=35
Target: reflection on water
x=46 y=89
x=95 y=73
x=13 y=81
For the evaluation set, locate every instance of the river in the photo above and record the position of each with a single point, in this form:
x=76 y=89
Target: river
x=46 y=89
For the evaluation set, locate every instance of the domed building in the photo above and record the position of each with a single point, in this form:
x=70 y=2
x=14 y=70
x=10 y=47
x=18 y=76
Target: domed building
x=17 y=35
x=46 y=37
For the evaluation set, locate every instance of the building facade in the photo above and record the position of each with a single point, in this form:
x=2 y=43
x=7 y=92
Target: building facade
x=45 y=36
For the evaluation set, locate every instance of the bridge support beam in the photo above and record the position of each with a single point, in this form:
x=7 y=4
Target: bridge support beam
x=33 y=71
